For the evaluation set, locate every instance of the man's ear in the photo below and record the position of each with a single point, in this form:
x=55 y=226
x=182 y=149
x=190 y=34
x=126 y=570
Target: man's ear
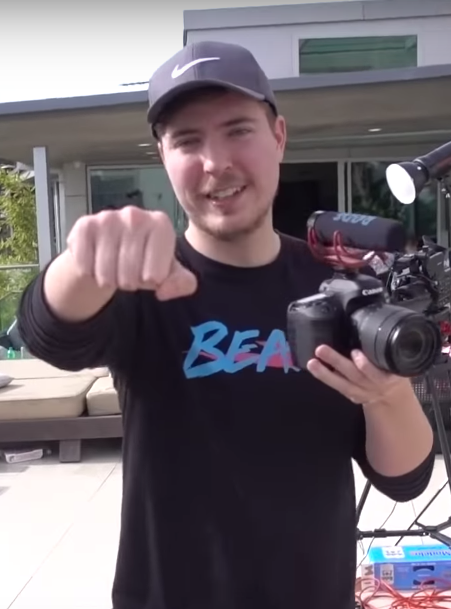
x=280 y=133
x=160 y=151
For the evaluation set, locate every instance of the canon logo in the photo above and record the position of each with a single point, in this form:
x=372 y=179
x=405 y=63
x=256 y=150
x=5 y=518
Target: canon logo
x=372 y=291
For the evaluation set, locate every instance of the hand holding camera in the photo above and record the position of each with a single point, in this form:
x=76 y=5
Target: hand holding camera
x=357 y=378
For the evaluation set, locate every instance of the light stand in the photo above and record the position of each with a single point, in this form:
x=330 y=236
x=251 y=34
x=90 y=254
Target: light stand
x=446 y=192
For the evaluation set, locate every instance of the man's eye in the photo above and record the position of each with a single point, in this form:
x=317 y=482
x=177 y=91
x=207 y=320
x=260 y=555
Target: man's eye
x=240 y=131
x=186 y=143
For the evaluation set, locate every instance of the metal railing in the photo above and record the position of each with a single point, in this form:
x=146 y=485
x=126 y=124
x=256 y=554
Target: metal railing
x=14 y=278
x=18 y=267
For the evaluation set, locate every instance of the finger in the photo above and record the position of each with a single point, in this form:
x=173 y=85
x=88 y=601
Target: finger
x=81 y=245
x=180 y=282
x=369 y=370
x=130 y=259
x=335 y=381
x=159 y=251
x=345 y=366
x=106 y=254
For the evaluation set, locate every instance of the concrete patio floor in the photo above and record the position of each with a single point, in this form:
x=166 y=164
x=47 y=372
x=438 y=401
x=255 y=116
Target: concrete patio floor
x=59 y=527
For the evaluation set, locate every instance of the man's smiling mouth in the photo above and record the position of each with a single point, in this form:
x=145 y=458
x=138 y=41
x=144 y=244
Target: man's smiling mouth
x=225 y=193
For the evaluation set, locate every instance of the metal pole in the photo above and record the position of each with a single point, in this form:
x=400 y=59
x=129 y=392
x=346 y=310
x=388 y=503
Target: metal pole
x=44 y=206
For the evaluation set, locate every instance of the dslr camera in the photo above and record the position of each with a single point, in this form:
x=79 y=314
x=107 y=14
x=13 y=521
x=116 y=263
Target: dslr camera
x=396 y=326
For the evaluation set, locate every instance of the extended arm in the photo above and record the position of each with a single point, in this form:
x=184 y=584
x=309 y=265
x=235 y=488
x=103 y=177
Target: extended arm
x=71 y=296
x=98 y=333
x=87 y=308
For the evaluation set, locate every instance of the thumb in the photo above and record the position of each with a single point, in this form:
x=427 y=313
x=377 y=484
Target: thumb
x=180 y=282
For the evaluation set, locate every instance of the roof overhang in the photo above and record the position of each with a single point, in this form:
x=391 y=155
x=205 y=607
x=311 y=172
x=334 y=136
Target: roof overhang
x=320 y=110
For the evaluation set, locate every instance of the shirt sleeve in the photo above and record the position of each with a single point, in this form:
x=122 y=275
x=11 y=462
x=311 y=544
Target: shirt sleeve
x=398 y=488
x=107 y=339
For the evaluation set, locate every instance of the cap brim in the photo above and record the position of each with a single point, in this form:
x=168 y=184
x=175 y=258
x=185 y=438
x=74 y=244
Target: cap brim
x=155 y=110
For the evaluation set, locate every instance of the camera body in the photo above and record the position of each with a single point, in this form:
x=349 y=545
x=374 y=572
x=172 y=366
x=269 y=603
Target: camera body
x=327 y=318
x=355 y=311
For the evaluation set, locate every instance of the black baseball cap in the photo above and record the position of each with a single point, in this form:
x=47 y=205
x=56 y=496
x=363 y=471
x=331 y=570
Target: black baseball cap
x=203 y=64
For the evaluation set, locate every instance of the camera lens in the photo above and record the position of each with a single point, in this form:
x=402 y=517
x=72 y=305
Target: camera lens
x=412 y=347
x=411 y=344
x=397 y=340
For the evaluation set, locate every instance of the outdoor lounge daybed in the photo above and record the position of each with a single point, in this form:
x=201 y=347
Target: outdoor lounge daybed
x=43 y=404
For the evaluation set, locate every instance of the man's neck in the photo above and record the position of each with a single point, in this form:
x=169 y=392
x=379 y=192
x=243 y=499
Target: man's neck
x=252 y=250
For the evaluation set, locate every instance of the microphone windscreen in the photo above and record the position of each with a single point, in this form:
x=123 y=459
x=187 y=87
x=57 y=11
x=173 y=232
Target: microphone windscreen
x=359 y=231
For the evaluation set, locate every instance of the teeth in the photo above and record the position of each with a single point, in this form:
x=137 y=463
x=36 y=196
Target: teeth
x=223 y=194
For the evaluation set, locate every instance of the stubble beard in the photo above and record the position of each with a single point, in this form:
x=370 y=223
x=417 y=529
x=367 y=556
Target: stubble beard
x=233 y=233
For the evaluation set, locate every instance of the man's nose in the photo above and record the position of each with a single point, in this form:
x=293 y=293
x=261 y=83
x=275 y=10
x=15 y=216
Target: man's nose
x=215 y=157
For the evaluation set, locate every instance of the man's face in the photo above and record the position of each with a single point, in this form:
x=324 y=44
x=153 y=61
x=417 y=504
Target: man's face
x=222 y=152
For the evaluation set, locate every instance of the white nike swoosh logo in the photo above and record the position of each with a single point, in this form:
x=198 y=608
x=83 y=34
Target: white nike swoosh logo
x=176 y=72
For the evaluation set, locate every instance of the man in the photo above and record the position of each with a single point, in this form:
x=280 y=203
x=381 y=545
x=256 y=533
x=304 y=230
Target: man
x=238 y=488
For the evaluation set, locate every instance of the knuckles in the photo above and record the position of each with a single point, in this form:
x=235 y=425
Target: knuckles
x=160 y=221
x=131 y=218
x=127 y=219
x=107 y=244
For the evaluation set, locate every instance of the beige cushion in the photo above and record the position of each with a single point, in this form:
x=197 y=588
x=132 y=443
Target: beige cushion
x=97 y=372
x=36 y=368
x=58 y=397
x=5 y=379
x=102 y=398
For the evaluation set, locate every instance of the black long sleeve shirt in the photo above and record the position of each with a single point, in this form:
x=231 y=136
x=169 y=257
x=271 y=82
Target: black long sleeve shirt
x=238 y=481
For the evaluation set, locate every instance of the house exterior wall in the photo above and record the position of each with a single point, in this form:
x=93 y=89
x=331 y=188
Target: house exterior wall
x=273 y=35
x=74 y=201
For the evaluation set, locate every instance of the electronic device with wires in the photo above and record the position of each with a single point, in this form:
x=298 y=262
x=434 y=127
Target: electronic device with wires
x=410 y=567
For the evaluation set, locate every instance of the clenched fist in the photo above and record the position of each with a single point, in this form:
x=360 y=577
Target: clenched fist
x=130 y=249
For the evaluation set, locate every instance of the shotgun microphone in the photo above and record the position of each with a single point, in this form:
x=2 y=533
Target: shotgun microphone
x=358 y=231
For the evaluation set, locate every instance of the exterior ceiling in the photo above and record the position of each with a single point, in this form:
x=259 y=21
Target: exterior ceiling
x=324 y=116
x=87 y=135
x=401 y=111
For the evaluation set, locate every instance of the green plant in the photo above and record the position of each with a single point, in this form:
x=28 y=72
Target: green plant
x=18 y=226
x=18 y=239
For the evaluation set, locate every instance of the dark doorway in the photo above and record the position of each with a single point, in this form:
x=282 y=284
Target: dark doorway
x=303 y=189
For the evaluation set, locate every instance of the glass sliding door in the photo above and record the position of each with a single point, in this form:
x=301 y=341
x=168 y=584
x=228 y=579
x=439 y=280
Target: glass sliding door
x=303 y=189
x=147 y=187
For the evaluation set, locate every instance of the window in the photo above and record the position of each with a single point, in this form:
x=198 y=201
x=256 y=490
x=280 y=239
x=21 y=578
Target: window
x=370 y=195
x=147 y=187
x=329 y=55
